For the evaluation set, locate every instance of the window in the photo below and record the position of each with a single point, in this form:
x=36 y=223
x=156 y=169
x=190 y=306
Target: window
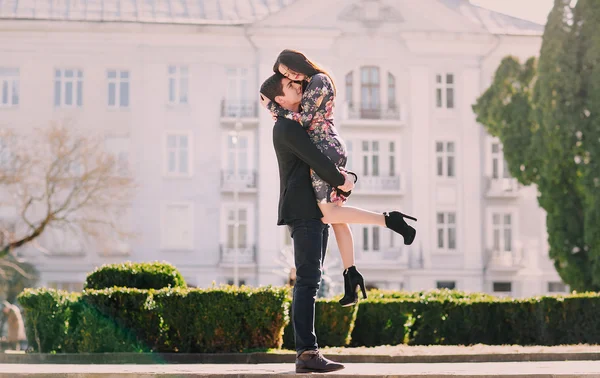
x=68 y=88
x=177 y=226
x=287 y=238
x=444 y=91
x=63 y=241
x=446 y=230
x=242 y=228
x=499 y=166
x=371 y=239
x=502 y=287
x=446 y=285
x=237 y=103
x=391 y=91
x=369 y=95
x=502 y=235
x=118 y=147
x=118 y=88
x=349 y=148
x=349 y=88
x=445 y=155
x=557 y=287
x=243 y=154
x=6 y=155
x=178 y=156
x=9 y=87
x=392 y=157
x=178 y=84
x=230 y=282
x=370 y=157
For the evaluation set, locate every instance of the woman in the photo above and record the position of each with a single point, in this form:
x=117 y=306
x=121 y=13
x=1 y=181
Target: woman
x=316 y=117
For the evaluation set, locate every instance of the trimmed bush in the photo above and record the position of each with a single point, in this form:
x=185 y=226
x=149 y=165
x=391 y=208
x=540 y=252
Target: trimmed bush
x=381 y=322
x=116 y=320
x=333 y=324
x=47 y=313
x=152 y=275
x=229 y=319
x=171 y=320
x=222 y=320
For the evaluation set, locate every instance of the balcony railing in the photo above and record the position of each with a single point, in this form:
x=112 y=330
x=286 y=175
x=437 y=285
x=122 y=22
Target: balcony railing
x=384 y=112
x=502 y=187
x=238 y=109
x=506 y=260
x=246 y=255
x=244 y=180
x=379 y=185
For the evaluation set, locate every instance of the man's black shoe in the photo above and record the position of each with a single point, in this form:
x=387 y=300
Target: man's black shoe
x=312 y=361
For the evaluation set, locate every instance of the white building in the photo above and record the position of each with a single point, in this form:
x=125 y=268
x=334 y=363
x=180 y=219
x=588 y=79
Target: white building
x=168 y=80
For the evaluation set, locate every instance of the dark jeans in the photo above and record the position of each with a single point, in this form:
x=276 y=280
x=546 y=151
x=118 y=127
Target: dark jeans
x=310 y=238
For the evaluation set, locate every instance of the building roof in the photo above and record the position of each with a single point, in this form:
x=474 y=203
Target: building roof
x=217 y=12
x=494 y=22
x=195 y=12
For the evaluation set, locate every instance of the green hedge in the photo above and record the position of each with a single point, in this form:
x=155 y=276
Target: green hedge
x=333 y=324
x=172 y=320
x=381 y=322
x=231 y=319
x=47 y=314
x=149 y=275
x=228 y=319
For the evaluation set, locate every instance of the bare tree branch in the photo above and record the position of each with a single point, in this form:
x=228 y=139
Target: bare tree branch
x=63 y=180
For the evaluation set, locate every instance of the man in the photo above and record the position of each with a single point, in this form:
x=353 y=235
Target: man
x=16 y=329
x=298 y=209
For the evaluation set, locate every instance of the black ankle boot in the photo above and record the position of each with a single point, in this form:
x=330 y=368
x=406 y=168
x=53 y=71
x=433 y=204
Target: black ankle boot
x=395 y=221
x=352 y=279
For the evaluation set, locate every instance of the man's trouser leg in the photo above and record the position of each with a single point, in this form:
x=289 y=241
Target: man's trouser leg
x=310 y=239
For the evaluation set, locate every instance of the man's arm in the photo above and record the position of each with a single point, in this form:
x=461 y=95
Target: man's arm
x=296 y=139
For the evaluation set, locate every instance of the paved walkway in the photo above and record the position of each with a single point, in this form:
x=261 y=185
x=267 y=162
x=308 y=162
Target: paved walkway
x=492 y=369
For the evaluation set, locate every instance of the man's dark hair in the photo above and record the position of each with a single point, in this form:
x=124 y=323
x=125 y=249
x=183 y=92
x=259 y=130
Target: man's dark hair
x=272 y=87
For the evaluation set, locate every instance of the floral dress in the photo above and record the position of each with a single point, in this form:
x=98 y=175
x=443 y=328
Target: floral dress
x=316 y=117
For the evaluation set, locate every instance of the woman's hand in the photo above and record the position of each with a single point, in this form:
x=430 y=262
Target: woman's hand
x=264 y=101
x=348 y=184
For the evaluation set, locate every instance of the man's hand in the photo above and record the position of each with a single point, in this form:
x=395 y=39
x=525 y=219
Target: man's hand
x=348 y=183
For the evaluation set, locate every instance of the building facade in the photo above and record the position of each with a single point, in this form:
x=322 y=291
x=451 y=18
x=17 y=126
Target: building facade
x=174 y=84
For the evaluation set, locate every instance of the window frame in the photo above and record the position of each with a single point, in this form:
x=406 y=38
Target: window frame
x=166 y=244
x=190 y=156
x=11 y=78
x=118 y=82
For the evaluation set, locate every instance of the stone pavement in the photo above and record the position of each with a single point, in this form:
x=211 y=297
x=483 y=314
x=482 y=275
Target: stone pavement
x=564 y=369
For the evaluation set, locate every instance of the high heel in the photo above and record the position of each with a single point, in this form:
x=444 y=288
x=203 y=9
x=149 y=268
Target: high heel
x=352 y=279
x=395 y=221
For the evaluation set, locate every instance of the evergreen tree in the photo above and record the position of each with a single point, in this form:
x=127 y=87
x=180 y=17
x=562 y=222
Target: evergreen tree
x=551 y=137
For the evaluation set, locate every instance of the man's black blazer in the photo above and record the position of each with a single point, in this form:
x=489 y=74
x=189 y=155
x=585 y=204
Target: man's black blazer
x=296 y=154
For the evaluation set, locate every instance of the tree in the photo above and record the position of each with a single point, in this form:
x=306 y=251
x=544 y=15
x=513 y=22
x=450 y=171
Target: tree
x=542 y=116
x=62 y=180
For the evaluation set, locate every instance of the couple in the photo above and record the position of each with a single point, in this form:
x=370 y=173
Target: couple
x=314 y=187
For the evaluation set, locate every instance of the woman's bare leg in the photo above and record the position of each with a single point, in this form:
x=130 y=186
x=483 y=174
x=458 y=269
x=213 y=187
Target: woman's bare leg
x=333 y=214
x=345 y=242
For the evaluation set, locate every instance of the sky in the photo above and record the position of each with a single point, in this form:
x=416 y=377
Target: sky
x=532 y=10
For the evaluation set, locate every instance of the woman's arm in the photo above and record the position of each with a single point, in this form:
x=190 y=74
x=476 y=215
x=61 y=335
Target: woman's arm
x=316 y=96
x=297 y=140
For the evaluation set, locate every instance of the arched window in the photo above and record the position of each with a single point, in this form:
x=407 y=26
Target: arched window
x=370 y=106
x=391 y=92
x=349 y=88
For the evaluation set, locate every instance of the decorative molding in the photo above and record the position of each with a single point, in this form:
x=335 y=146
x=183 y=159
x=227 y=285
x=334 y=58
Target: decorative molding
x=372 y=13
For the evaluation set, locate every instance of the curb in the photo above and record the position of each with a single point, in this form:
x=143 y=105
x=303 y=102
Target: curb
x=275 y=358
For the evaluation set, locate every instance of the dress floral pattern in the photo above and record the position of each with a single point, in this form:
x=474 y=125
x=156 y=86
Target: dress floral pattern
x=316 y=117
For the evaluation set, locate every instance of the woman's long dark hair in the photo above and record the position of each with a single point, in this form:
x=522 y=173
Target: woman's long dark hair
x=298 y=62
